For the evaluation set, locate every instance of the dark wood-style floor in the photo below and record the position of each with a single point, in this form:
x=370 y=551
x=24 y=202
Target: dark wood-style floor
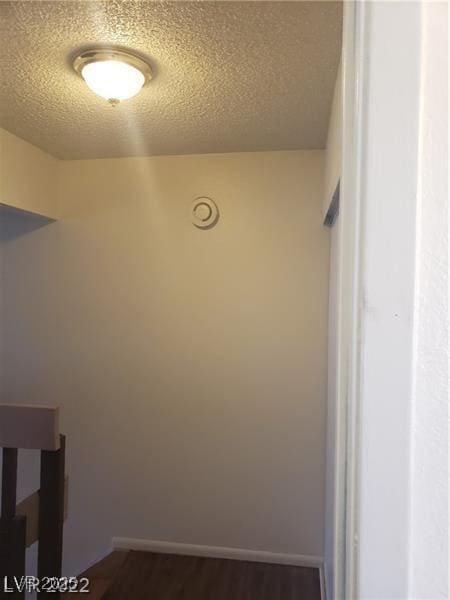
x=151 y=576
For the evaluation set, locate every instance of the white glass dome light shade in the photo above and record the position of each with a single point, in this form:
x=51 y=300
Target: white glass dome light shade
x=112 y=79
x=113 y=75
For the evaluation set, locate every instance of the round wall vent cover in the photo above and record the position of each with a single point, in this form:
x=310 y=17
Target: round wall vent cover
x=204 y=212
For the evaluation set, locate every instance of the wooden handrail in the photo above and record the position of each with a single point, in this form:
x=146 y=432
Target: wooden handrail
x=49 y=500
x=29 y=427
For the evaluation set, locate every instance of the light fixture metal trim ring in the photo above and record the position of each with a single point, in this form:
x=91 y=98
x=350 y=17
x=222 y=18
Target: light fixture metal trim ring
x=103 y=54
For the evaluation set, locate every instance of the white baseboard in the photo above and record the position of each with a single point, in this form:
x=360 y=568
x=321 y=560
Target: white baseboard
x=302 y=560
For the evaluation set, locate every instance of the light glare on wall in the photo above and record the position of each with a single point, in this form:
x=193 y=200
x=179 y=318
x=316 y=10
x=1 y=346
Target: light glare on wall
x=113 y=74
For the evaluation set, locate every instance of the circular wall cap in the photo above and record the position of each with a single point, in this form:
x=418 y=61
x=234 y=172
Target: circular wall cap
x=204 y=212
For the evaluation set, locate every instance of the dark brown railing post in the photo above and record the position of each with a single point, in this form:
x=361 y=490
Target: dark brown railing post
x=12 y=531
x=9 y=482
x=51 y=514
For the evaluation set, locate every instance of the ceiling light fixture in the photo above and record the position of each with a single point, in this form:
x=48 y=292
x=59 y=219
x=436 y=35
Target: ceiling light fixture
x=112 y=74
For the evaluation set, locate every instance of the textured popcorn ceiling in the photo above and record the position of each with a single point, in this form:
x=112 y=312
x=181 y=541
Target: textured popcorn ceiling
x=229 y=76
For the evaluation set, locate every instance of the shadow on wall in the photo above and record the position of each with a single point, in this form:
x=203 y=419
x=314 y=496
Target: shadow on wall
x=15 y=222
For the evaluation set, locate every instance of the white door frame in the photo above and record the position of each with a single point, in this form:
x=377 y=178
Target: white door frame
x=381 y=137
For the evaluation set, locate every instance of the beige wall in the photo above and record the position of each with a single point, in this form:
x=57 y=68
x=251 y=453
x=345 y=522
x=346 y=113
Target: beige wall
x=28 y=176
x=190 y=365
